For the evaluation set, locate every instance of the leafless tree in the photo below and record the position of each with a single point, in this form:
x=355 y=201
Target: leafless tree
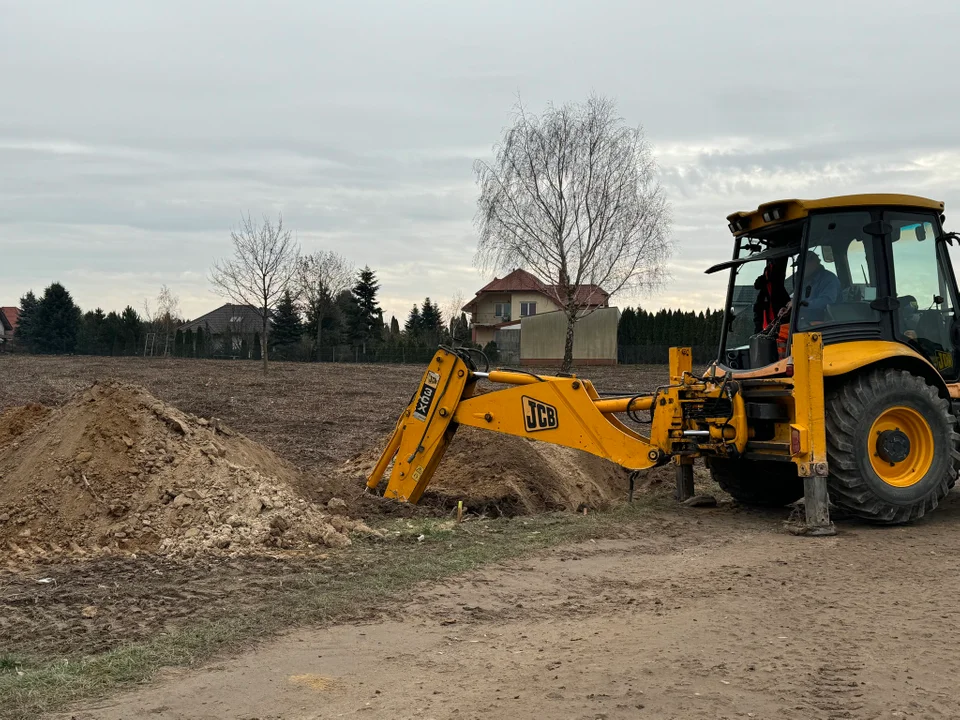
x=321 y=277
x=165 y=317
x=263 y=266
x=572 y=196
x=453 y=311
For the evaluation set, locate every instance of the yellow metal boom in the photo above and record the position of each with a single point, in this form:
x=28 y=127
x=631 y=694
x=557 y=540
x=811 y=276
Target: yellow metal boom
x=690 y=416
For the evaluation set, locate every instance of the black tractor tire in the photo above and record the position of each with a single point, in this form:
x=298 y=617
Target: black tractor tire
x=762 y=483
x=851 y=409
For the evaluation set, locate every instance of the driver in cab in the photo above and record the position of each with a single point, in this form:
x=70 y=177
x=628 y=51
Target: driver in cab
x=820 y=288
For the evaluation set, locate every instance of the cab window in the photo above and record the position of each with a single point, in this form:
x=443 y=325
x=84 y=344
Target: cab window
x=839 y=272
x=924 y=314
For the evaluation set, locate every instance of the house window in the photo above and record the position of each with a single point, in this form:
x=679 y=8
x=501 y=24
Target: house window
x=528 y=308
x=502 y=310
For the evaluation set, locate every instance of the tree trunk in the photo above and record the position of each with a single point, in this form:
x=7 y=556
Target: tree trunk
x=264 y=343
x=568 y=345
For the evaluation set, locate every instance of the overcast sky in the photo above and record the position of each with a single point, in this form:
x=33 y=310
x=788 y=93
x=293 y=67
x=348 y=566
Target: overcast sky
x=134 y=134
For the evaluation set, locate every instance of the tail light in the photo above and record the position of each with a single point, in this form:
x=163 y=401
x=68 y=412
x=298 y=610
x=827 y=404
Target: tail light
x=794 y=439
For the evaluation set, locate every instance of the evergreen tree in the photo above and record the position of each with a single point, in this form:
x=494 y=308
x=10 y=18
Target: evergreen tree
x=26 y=323
x=201 y=343
x=226 y=342
x=332 y=317
x=132 y=330
x=414 y=323
x=113 y=331
x=287 y=327
x=459 y=328
x=364 y=324
x=394 y=326
x=189 y=349
x=626 y=328
x=178 y=343
x=431 y=321
x=491 y=351
x=244 y=348
x=57 y=321
x=257 y=351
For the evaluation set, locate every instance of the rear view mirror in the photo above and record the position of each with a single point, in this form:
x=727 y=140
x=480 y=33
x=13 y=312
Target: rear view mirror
x=827 y=251
x=921 y=233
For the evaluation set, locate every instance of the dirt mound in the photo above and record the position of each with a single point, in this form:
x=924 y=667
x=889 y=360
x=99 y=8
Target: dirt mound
x=16 y=421
x=116 y=469
x=509 y=475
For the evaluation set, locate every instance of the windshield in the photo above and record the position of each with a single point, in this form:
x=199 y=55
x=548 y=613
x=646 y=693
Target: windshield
x=762 y=279
x=839 y=278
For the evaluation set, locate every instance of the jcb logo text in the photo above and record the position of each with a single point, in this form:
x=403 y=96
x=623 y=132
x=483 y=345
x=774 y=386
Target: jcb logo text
x=538 y=415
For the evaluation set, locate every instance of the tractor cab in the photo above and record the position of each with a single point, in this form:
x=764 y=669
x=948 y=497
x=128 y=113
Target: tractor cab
x=859 y=267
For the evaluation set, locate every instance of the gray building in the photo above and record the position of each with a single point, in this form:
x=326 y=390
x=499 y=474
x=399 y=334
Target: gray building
x=228 y=325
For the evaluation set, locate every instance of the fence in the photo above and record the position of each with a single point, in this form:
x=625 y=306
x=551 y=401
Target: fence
x=626 y=354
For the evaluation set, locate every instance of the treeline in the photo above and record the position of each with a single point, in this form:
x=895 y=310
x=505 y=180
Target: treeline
x=350 y=326
x=54 y=324
x=645 y=337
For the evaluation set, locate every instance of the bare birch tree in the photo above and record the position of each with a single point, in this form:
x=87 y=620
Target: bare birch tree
x=321 y=277
x=165 y=318
x=572 y=197
x=454 y=310
x=263 y=266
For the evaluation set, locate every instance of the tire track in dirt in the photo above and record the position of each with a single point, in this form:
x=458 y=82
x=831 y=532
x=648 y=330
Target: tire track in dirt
x=710 y=615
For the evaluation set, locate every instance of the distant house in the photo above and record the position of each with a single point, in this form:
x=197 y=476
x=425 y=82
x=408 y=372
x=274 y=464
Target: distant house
x=501 y=303
x=9 y=316
x=236 y=322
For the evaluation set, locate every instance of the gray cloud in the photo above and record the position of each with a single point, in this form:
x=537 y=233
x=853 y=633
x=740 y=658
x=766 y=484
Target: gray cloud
x=133 y=135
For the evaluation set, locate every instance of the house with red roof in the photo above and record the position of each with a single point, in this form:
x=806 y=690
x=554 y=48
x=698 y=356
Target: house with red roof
x=8 y=323
x=503 y=302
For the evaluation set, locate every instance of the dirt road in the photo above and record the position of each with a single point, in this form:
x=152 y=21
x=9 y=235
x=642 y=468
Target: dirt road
x=708 y=614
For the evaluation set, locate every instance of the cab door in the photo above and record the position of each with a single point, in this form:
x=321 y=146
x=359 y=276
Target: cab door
x=923 y=285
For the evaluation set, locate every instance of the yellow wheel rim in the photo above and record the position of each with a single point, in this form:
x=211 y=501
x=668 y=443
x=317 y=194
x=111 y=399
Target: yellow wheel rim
x=894 y=423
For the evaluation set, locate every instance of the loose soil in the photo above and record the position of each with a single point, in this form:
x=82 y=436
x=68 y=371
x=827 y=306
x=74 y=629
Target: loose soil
x=692 y=613
x=703 y=614
x=115 y=469
x=316 y=421
x=319 y=417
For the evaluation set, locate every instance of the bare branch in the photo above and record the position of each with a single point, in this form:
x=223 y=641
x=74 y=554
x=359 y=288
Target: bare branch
x=263 y=266
x=572 y=197
x=321 y=277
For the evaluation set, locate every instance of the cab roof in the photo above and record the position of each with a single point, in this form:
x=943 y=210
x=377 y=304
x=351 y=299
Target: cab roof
x=780 y=211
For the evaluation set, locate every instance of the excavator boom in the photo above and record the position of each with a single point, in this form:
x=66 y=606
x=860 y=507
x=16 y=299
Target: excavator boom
x=690 y=416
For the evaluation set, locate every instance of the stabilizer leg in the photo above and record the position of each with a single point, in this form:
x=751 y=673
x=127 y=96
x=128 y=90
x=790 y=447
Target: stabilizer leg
x=816 y=505
x=684 y=469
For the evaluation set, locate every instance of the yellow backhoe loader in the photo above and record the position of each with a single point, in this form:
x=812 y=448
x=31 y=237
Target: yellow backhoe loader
x=836 y=375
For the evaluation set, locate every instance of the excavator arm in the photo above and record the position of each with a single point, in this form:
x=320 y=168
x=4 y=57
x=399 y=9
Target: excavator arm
x=689 y=416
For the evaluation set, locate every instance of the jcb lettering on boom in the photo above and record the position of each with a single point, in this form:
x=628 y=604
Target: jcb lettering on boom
x=538 y=415
x=427 y=393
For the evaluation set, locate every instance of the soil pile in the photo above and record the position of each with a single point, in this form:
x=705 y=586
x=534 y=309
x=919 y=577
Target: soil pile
x=117 y=469
x=508 y=475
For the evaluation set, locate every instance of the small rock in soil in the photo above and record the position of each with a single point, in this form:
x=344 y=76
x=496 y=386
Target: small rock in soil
x=336 y=506
x=700 y=501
